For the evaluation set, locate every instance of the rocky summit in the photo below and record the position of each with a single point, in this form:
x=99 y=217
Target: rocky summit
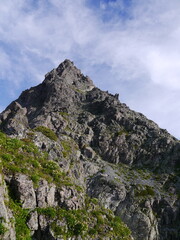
x=76 y=163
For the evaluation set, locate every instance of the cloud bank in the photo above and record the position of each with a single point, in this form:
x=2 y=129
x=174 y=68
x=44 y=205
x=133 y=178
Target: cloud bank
x=131 y=47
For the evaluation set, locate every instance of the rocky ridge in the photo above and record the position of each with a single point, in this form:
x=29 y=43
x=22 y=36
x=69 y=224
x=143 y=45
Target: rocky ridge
x=94 y=147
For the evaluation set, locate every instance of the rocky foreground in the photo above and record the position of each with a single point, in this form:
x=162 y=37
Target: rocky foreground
x=76 y=163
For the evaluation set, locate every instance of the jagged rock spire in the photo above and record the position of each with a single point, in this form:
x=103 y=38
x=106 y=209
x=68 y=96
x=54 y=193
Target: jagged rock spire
x=68 y=73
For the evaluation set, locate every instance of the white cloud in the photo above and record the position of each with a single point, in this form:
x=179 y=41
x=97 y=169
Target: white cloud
x=164 y=68
x=134 y=48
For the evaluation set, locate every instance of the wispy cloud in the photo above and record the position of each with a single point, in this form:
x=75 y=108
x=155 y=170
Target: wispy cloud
x=131 y=47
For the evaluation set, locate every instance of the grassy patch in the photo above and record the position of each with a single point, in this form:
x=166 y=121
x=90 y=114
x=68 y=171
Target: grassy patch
x=64 y=114
x=49 y=212
x=3 y=229
x=24 y=157
x=47 y=132
x=67 y=148
x=144 y=190
x=21 y=215
x=97 y=223
x=122 y=132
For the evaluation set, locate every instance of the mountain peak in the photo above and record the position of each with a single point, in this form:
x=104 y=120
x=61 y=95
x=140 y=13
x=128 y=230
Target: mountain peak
x=107 y=150
x=68 y=73
x=66 y=63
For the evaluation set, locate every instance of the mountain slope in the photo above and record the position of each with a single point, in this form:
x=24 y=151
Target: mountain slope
x=113 y=153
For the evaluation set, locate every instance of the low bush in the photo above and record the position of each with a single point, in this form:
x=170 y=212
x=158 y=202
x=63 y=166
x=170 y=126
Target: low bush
x=47 y=132
x=3 y=229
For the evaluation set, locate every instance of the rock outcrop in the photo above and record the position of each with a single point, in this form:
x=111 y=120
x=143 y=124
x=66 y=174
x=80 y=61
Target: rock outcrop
x=95 y=147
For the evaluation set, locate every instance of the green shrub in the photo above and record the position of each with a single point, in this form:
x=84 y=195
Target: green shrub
x=99 y=216
x=13 y=144
x=14 y=169
x=3 y=229
x=7 y=157
x=50 y=165
x=63 y=114
x=35 y=178
x=94 y=200
x=119 y=228
x=21 y=216
x=49 y=212
x=144 y=191
x=122 y=132
x=92 y=231
x=58 y=230
x=79 y=228
x=67 y=148
x=47 y=132
x=150 y=190
x=102 y=171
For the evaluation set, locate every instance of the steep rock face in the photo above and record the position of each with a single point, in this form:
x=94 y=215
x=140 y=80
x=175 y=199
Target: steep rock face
x=113 y=153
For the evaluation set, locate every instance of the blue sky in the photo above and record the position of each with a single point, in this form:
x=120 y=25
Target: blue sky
x=130 y=47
